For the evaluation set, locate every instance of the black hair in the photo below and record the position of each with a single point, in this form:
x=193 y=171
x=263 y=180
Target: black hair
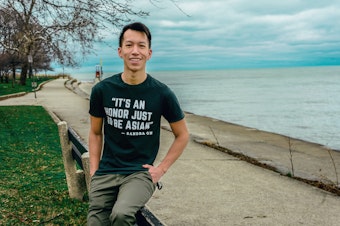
x=137 y=26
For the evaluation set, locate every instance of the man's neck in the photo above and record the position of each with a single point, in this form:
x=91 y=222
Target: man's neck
x=134 y=78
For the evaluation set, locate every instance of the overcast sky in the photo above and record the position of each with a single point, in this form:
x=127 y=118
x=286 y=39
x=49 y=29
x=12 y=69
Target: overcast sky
x=218 y=34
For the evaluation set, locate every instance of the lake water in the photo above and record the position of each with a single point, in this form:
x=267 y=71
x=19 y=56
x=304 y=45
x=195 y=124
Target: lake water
x=302 y=103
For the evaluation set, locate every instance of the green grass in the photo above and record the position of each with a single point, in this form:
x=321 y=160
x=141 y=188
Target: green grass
x=33 y=189
x=15 y=87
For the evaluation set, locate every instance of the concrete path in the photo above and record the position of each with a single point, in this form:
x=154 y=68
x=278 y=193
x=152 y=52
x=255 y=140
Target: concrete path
x=210 y=187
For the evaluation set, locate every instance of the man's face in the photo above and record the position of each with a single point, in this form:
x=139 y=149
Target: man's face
x=135 y=50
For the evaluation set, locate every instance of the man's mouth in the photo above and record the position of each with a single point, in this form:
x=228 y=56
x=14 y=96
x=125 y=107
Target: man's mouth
x=135 y=60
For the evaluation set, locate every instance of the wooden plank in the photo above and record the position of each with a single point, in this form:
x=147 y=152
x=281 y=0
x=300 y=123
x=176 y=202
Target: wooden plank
x=78 y=146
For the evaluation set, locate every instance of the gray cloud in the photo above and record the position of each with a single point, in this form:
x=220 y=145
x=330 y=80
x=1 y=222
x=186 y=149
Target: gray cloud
x=240 y=33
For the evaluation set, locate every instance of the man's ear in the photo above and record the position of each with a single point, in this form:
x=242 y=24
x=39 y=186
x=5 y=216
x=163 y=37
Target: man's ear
x=119 y=50
x=150 y=54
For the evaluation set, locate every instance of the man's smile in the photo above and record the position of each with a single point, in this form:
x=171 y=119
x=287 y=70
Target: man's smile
x=135 y=60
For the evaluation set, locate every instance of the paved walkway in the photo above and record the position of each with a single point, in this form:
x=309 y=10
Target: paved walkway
x=210 y=187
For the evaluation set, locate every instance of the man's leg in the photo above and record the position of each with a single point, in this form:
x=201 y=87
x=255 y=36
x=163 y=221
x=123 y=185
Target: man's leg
x=134 y=193
x=102 y=196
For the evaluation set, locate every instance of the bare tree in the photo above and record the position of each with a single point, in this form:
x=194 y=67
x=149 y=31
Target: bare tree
x=63 y=29
x=9 y=42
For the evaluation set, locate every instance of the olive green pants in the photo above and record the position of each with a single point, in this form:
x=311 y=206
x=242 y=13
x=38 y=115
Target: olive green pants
x=115 y=199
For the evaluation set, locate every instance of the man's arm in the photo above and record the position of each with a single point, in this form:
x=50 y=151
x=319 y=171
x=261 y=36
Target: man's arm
x=95 y=143
x=181 y=134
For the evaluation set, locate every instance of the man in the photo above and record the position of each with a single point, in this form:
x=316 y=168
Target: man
x=129 y=106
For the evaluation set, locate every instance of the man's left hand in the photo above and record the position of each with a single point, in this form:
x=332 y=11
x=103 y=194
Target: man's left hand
x=155 y=172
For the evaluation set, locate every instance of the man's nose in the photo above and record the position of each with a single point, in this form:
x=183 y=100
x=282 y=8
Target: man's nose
x=135 y=49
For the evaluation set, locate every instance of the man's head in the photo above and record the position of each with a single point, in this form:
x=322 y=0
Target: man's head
x=137 y=26
x=135 y=47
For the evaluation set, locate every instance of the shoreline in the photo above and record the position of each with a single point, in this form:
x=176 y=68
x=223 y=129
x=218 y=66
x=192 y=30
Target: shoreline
x=305 y=161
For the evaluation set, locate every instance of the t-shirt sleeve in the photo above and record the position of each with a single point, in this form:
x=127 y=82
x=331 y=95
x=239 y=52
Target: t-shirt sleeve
x=172 y=111
x=96 y=103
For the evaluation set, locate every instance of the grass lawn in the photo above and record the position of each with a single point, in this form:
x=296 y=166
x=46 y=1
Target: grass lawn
x=14 y=87
x=33 y=187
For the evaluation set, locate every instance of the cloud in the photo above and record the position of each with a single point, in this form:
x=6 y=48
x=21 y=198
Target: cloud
x=237 y=33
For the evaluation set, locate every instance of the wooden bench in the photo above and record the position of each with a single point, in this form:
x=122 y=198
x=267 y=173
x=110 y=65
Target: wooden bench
x=76 y=162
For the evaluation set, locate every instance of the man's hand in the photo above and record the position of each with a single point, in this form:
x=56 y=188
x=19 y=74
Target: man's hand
x=155 y=172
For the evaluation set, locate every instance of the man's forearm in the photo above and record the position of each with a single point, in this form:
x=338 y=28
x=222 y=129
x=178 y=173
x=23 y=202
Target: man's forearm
x=181 y=133
x=95 y=151
x=175 y=151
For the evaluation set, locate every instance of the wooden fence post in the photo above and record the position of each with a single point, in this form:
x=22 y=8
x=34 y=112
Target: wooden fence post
x=74 y=178
x=85 y=158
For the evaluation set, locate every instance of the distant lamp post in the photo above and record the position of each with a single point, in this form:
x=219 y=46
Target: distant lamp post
x=30 y=61
x=34 y=83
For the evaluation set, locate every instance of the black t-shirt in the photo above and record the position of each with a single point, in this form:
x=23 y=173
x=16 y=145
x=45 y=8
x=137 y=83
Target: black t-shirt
x=132 y=115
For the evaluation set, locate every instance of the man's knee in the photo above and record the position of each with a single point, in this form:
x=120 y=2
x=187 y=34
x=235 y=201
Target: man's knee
x=122 y=217
x=94 y=219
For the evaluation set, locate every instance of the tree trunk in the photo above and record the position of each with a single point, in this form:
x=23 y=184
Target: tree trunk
x=14 y=69
x=23 y=75
x=13 y=80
